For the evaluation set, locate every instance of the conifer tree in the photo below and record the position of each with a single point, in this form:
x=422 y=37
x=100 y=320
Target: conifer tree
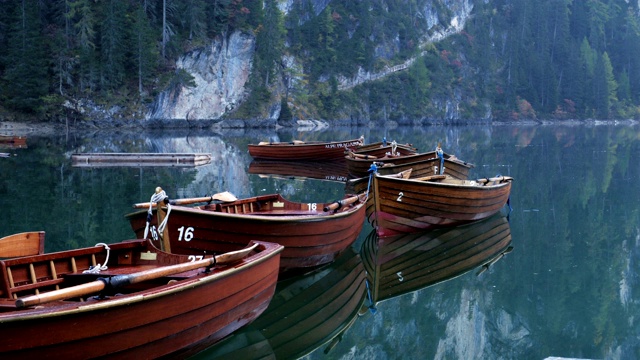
x=26 y=68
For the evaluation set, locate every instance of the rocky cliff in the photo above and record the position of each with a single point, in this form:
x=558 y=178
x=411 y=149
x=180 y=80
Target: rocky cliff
x=222 y=69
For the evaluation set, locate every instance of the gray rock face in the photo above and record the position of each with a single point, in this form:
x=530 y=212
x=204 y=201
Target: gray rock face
x=220 y=72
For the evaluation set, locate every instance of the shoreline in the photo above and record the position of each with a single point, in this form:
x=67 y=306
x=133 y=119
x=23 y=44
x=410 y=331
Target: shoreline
x=14 y=128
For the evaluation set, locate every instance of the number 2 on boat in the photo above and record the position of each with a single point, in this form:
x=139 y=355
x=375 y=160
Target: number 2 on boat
x=400 y=197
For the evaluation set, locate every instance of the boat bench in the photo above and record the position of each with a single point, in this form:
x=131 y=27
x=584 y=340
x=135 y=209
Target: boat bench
x=31 y=274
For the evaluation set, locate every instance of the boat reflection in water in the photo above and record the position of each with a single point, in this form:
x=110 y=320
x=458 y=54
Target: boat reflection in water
x=335 y=170
x=305 y=313
x=401 y=264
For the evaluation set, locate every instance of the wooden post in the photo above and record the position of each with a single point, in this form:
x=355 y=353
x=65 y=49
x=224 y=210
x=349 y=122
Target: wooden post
x=165 y=245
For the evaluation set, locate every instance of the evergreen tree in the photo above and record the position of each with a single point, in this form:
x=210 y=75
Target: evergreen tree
x=112 y=44
x=26 y=65
x=270 y=40
x=144 y=51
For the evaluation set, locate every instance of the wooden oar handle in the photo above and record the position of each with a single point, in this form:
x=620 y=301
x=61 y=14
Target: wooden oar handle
x=361 y=156
x=66 y=293
x=176 y=202
x=431 y=178
x=340 y=203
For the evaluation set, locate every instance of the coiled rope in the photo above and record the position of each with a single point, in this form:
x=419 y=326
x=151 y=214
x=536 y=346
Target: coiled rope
x=99 y=267
x=156 y=198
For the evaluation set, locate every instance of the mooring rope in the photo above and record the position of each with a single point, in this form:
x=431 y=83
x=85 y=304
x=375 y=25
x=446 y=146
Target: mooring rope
x=155 y=198
x=440 y=155
x=96 y=269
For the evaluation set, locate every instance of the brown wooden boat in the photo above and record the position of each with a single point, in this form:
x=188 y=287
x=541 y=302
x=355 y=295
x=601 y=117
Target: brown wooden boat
x=332 y=170
x=396 y=205
x=383 y=144
x=302 y=150
x=402 y=264
x=312 y=233
x=423 y=164
x=130 y=300
x=306 y=312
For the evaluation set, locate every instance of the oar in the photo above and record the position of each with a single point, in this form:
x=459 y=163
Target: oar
x=494 y=179
x=340 y=203
x=223 y=196
x=431 y=178
x=361 y=156
x=123 y=280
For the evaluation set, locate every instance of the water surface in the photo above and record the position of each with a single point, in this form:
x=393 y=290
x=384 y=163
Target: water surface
x=569 y=288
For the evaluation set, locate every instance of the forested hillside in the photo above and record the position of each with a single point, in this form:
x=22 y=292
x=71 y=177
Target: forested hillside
x=549 y=59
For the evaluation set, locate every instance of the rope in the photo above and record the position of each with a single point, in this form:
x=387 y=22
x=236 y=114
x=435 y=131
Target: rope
x=155 y=198
x=440 y=154
x=372 y=306
x=96 y=269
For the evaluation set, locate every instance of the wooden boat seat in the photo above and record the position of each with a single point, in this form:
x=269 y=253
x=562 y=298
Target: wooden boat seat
x=22 y=244
x=31 y=274
x=284 y=213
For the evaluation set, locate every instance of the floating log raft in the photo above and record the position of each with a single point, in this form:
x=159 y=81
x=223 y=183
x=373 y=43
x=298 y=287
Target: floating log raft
x=140 y=159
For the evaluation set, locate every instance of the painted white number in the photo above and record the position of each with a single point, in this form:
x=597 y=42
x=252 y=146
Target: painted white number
x=399 y=273
x=312 y=206
x=194 y=258
x=400 y=197
x=154 y=233
x=185 y=235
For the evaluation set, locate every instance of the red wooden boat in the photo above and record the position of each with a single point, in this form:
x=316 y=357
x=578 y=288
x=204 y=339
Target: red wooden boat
x=312 y=233
x=402 y=264
x=394 y=161
x=398 y=205
x=130 y=300
x=302 y=150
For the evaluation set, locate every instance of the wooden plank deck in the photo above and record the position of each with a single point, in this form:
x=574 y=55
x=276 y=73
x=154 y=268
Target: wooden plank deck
x=139 y=159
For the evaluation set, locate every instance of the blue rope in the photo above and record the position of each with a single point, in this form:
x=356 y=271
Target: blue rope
x=372 y=306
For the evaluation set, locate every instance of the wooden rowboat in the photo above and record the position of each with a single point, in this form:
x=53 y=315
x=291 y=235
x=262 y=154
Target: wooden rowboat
x=312 y=233
x=306 y=312
x=423 y=164
x=398 y=205
x=384 y=144
x=402 y=264
x=130 y=300
x=302 y=150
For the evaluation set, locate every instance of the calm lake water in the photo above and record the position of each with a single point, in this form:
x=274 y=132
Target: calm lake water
x=569 y=287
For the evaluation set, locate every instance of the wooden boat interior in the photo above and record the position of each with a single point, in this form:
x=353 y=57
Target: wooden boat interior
x=22 y=244
x=272 y=205
x=33 y=275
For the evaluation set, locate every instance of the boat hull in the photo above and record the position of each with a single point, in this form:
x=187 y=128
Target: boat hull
x=306 y=151
x=310 y=237
x=423 y=164
x=176 y=319
x=399 y=206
